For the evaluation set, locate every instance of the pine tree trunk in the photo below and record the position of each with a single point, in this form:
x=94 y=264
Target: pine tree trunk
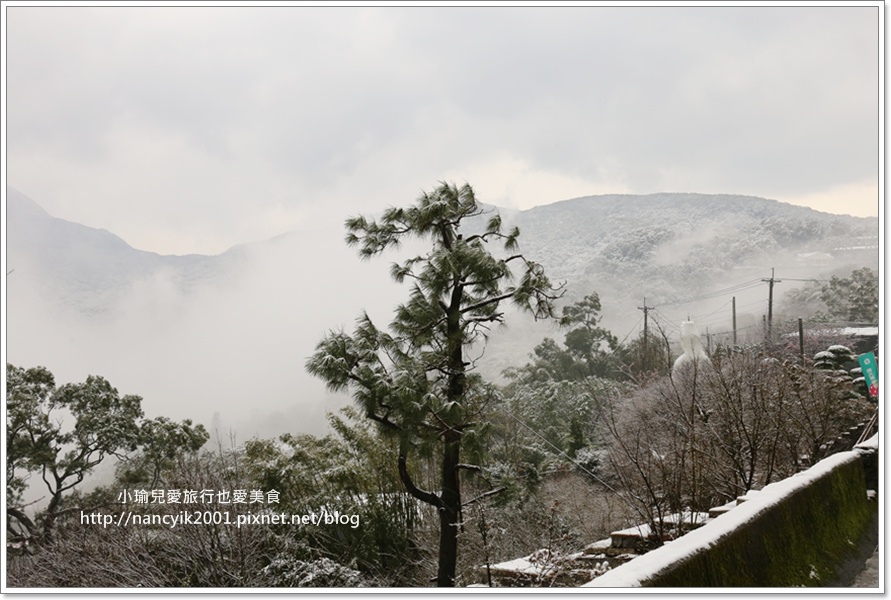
x=450 y=513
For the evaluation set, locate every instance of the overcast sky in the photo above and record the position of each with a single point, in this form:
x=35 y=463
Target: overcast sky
x=194 y=129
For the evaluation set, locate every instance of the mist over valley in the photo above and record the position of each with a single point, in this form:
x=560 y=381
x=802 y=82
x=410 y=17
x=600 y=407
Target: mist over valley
x=223 y=339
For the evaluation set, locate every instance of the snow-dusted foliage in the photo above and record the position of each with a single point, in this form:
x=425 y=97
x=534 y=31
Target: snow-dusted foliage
x=286 y=571
x=707 y=435
x=838 y=363
x=825 y=355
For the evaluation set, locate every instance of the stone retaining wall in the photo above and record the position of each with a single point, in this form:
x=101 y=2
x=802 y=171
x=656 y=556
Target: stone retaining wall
x=796 y=532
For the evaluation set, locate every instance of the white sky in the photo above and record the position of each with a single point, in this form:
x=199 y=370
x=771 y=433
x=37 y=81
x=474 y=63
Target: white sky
x=194 y=129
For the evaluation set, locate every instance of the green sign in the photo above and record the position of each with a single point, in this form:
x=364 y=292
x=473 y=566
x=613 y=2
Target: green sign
x=870 y=372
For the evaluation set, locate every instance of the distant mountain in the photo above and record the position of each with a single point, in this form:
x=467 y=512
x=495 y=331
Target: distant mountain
x=665 y=245
x=676 y=243
x=228 y=335
x=88 y=269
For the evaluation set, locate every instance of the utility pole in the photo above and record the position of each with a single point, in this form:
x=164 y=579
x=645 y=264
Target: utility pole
x=770 y=283
x=734 y=320
x=646 y=310
x=801 y=339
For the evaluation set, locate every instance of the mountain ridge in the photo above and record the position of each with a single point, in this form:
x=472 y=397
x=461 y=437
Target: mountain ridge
x=24 y=206
x=674 y=240
x=229 y=333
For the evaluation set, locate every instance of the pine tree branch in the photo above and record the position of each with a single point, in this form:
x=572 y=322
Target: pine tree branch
x=484 y=495
x=490 y=318
x=383 y=420
x=424 y=496
x=484 y=303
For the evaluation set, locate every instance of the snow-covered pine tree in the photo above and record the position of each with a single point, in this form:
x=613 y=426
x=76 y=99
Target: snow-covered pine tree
x=417 y=381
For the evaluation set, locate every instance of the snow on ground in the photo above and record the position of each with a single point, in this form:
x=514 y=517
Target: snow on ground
x=644 y=531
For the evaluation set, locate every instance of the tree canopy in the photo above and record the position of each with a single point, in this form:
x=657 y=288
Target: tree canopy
x=854 y=298
x=588 y=349
x=63 y=433
x=417 y=380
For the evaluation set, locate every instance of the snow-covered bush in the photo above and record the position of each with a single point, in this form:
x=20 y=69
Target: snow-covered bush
x=697 y=441
x=285 y=571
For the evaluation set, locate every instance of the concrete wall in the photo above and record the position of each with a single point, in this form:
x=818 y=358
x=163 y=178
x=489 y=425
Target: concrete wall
x=797 y=532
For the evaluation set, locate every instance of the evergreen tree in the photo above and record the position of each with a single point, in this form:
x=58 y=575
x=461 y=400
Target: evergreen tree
x=64 y=433
x=854 y=299
x=418 y=381
x=588 y=349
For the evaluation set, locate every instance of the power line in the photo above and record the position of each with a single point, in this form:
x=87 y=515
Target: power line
x=560 y=451
x=713 y=317
x=704 y=318
x=808 y=280
x=630 y=332
x=717 y=293
x=671 y=322
x=700 y=319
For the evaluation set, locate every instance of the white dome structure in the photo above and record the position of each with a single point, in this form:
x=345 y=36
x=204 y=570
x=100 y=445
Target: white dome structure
x=694 y=352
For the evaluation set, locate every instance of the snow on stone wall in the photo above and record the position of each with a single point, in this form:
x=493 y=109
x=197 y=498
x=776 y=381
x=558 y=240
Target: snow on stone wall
x=792 y=533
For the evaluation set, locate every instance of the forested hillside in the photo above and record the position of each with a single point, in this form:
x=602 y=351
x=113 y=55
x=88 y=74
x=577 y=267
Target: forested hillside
x=671 y=245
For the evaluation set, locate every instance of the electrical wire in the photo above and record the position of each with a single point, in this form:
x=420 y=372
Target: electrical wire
x=630 y=332
x=807 y=280
x=717 y=293
x=670 y=322
x=560 y=451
